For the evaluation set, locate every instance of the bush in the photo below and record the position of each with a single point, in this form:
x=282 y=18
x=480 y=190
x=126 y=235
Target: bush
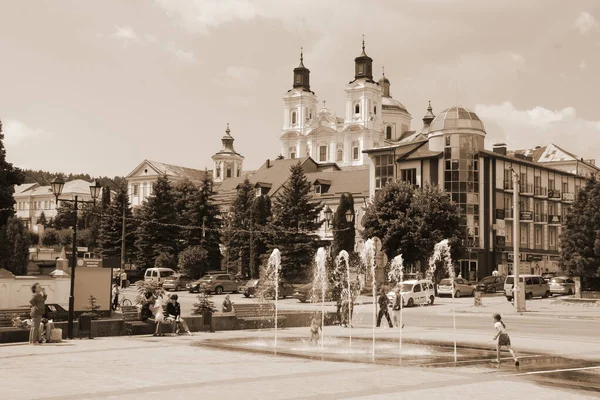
x=192 y=261
x=165 y=260
x=65 y=237
x=50 y=237
x=34 y=238
x=204 y=303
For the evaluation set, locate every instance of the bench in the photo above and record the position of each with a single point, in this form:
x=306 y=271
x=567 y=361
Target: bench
x=6 y=316
x=256 y=315
x=131 y=317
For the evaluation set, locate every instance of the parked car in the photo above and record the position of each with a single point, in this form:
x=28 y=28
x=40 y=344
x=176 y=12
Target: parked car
x=56 y=312
x=176 y=282
x=158 y=274
x=414 y=292
x=562 y=285
x=305 y=293
x=215 y=283
x=535 y=286
x=490 y=284
x=461 y=287
x=285 y=290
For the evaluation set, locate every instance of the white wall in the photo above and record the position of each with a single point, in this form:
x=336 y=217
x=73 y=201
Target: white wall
x=16 y=291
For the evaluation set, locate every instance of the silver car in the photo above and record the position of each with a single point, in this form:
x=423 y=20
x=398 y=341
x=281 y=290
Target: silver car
x=562 y=285
x=462 y=287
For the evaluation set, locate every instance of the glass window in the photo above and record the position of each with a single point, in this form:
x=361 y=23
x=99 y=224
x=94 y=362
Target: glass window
x=322 y=153
x=318 y=189
x=136 y=189
x=357 y=108
x=294 y=117
x=447 y=141
x=409 y=175
x=340 y=155
x=229 y=170
x=417 y=288
x=388 y=133
x=384 y=170
x=355 y=153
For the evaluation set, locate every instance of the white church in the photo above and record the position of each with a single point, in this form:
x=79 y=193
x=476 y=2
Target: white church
x=372 y=119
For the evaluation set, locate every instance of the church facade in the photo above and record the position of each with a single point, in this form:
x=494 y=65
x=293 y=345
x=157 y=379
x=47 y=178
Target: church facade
x=371 y=118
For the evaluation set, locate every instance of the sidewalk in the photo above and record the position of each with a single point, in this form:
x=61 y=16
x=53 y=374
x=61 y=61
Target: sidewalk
x=547 y=308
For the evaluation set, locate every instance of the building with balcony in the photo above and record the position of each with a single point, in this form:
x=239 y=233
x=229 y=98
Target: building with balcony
x=451 y=155
x=31 y=199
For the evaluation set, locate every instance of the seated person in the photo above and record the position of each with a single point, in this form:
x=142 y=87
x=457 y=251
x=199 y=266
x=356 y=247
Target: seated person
x=174 y=315
x=227 y=304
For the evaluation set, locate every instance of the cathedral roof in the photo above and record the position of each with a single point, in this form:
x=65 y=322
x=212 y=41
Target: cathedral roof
x=388 y=103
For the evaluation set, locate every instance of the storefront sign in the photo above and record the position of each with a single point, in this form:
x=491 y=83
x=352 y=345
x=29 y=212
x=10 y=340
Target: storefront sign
x=534 y=257
x=568 y=196
x=554 y=219
x=526 y=216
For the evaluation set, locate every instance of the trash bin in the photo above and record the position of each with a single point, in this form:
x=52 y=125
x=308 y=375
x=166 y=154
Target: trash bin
x=85 y=325
x=207 y=324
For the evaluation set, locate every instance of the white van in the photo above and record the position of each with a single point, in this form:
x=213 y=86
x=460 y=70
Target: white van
x=158 y=274
x=414 y=292
x=535 y=286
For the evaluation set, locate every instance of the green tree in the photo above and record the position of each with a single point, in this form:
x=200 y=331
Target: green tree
x=14 y=246
x=50 y=223
x=105 y=198
x=42 y=219
x=9 y=177
x=155 y=233
x=260 y=213
x=166 y=260
x=34 y=238
x=210 y=216
x=292 y=226
x=580 y=240
x=344 y=234
x=192 y=261
x=111 y=225
x=65 y=216
x=50 y=237
x=236 y=229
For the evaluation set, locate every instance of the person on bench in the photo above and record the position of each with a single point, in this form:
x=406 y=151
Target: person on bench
x=174 y=315
x=159 y=317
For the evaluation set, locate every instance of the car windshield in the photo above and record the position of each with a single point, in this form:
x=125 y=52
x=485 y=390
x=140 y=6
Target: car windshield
x=407 y=287
x=252 y=283
x=167 y=274
x=557 y=280
x=445 y=282
x=208 y=277
x=510 y=280
x=489 y=279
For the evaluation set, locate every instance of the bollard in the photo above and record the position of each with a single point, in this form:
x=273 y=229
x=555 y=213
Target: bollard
x=477 y=299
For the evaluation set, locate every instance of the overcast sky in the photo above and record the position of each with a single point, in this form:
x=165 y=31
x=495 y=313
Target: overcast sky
x=98 y=86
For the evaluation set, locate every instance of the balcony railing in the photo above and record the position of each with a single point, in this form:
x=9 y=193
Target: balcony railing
x=554 y=194
x=508 y=213
x=568 y=197
x=526 y=188
x=508 y=185
x=540 y=191
x=539 y=217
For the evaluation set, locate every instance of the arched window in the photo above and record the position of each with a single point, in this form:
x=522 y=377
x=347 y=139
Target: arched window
x=357 y=108
x=229 y=171
x=293 y=117
x=375 y=109
x=388 y=133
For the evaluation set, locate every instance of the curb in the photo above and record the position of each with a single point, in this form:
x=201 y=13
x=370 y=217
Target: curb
x=535 y=314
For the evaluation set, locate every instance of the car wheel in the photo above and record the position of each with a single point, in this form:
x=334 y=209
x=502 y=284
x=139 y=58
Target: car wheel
x=547 y=294
x=473 y=293
x=431 y=300
x=509 y=298
x=218 y=290
x=411 y=302
x=529 y=296
x=246 y=295
x=178 y=288
x=570 y=292
x=283 y=296
x=302 y=301
x=457 y=294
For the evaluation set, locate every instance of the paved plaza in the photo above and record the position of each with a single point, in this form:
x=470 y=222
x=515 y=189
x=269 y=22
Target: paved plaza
x=184 y=367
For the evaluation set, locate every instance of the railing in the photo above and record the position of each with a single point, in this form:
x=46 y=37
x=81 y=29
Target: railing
x=569 y=197
x=541 y=191
x=508 y=185
x=526 y=188
x=539 y=217
x=508 y=213
x=554 y=194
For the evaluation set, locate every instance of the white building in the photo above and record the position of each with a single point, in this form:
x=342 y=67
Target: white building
x=371 y=117
x=227 y=163
x=32 y=199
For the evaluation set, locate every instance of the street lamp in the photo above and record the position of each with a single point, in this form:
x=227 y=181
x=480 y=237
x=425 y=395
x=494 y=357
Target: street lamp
x=328 y=213
x=57 y=186
x=349 y=216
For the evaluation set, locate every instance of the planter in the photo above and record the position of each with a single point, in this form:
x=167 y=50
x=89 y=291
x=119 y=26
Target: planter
x=84 y=323
x=207 y=322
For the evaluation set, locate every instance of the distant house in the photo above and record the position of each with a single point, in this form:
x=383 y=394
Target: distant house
x=32 y=199
x=140 y=181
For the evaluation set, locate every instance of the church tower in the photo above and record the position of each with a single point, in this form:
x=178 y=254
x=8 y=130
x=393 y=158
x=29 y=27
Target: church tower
x=299 y=109
x=227 y=163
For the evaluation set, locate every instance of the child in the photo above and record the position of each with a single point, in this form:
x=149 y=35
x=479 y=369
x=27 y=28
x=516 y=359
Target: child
x=159 y=317
x=314 y=331
x=503 y=339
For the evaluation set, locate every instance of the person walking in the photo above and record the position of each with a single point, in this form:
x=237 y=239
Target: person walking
x=38 y=309
x=115 y=294
x=124 y=280
x=174 y=315
x=397 y=307
x=503 y=339
x=384 y=303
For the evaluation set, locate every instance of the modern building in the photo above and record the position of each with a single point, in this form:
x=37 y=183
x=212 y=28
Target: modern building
x=450 y=153
x=140 y=181
x=32 y=199
x=371 y=117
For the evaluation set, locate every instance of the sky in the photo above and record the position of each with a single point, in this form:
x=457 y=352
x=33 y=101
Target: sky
x=98 y=86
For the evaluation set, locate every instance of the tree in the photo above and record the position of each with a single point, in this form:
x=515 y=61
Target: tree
x=105 y=198
x=344 y=234
x=192 y=261
x=211 y=237
x=166 y=260
x=156 y=233
x=580 y=239
x=292 y=226
x=50 y=223
x=34 y=238
x=260 y=213
x=14 y=246
x=111 y=225
x=50 y=237
x=9 y=177
x=42 y=219
x=236 y=230
x=65 y=216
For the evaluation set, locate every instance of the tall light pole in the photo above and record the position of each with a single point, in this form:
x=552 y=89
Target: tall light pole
x=57 y=186
x=519 y=300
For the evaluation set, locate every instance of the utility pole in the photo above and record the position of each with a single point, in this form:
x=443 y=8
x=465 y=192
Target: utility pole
x=519 y=300
x=123 y=242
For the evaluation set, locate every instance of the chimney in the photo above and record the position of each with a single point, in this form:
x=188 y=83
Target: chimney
x=500 y=148
x=591 y=161
x=268 y=163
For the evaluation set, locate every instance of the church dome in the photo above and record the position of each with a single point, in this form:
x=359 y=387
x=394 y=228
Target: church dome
x=388 y=103
x=457 y=119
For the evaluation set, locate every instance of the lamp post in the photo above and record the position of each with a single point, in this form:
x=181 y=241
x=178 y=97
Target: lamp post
x=519 y=300
x=349 y=216
x=57 y=186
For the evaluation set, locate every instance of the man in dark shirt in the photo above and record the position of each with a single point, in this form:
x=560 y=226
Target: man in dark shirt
x=174 y=314
x=383 y=309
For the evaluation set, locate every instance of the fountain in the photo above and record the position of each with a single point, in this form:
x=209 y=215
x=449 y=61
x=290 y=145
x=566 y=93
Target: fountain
x=397 y=274
x=344 y=257
x=273 y=271
x=441 y=252
x=368 y=259
x=320 y=282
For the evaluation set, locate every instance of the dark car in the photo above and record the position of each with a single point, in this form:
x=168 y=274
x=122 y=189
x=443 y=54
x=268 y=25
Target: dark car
x=55 y=312
x=305 y=293
x=490 y=284
x=254 y=286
